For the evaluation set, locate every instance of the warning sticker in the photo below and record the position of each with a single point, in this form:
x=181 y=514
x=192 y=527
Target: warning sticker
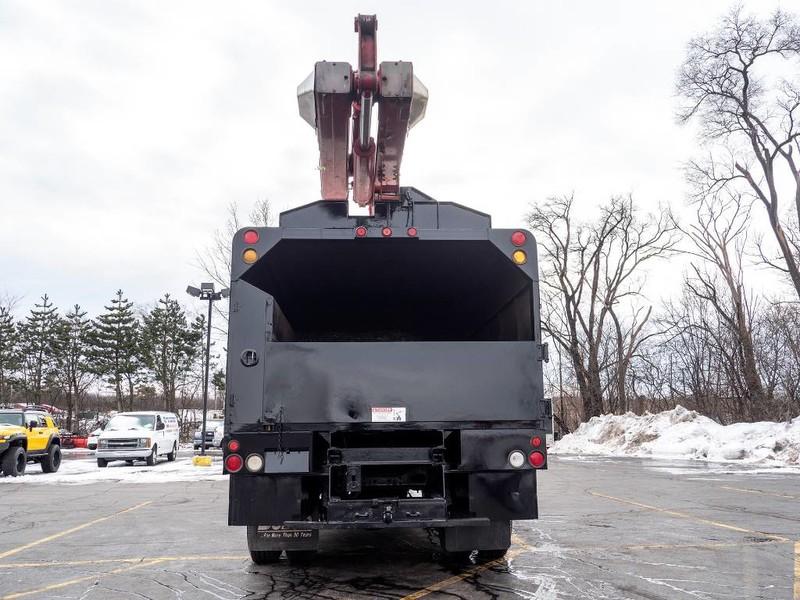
x=388 y=414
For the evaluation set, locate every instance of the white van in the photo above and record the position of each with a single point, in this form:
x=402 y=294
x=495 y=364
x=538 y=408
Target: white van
x=143 y=435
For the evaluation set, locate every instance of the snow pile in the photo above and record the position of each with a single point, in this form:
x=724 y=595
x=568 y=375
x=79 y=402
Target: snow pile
x=81 y=472
x=682 y=433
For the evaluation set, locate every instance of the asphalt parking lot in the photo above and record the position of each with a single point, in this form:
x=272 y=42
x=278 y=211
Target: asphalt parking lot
x=611 y=529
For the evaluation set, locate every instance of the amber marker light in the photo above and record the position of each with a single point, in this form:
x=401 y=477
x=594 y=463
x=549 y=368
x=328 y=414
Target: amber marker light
x=519 y=257
x=249 y=256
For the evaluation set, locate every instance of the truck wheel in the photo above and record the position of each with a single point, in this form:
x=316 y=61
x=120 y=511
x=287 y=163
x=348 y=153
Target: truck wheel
x=14 y=461
x=489 y=555
x=265 y=557
x=301 y=557
x=102 y=463
x=52 y=461
x=151 y=460
x=171 y=456
x=461 y=557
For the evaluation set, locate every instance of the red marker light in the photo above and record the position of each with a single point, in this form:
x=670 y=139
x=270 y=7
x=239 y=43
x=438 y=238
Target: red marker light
x=386 y=232
x=233 y=445
x=233 y=463
x=536 y=459
x=536 y=441
x=518 y=238
x=361 y=231
x=250 y=237
x=412 y=232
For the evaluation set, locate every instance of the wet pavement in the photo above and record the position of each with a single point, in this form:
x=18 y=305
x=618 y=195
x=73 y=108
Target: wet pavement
x=611 y=529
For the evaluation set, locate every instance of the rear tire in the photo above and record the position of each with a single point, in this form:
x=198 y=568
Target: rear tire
x=461 y=557
x=490 y=555
x=14 y=461
x=52 y=461
x=265 y=557
x=171 y=456
x=301 y=557
x=151 y=460
x=102 y=463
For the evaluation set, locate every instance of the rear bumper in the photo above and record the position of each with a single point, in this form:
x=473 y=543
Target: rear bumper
x=463 y=480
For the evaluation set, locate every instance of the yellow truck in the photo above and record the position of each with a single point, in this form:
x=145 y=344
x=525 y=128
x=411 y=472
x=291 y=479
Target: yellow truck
x=28 y=436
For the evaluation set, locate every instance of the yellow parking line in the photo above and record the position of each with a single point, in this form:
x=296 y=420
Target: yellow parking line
x=797 y=571
x=675 y=513
x=105 y=561
x=759 y=492
x=55 y=536
x=62 y=584
x=139 y=562
x=440 y=585
x=707 y=546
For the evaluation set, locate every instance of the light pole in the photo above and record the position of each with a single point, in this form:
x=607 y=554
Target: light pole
x=206 y=292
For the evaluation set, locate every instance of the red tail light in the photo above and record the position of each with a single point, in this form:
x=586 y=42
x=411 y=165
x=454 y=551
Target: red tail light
x=412 y=232
x=536 y=441
x=361 y=231
x=386 y=232
x=233 y=463
x=233 y=445
x=250 y=237
x=518 y=238
x=536 y=459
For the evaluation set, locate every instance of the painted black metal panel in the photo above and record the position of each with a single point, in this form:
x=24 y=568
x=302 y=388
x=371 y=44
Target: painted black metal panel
x=434 y=381
x=483 y=450
x=264 y=500
x=416 y=209
x=503 y=495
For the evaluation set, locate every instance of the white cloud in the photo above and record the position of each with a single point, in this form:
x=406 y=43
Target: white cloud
x=126 y=127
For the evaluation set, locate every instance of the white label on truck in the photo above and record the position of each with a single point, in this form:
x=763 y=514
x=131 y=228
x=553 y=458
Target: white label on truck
x=388 y=414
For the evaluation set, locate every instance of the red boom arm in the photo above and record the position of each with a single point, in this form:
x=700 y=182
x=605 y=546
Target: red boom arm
x=338 y=103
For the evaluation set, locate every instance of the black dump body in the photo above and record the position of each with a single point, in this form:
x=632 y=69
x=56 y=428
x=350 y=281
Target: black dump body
x=385 y=379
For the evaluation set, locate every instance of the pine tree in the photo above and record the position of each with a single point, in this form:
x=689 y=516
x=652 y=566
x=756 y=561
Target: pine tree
x=38 y=344
x=169 y=344
x=73 y=358
x=115 y=347
x=9 y=352
x=218 y=383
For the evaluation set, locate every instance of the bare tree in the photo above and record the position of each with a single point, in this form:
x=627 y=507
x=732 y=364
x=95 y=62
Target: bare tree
x=750 y=122
x=718 y=237
x=592 y=272
x=215 y=260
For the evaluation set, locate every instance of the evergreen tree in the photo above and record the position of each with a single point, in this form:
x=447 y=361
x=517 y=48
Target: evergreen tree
x=115 y=352
x=73 y=360
x=169 y=345
x=9 y=352
x=218 y=383
x=38 y=344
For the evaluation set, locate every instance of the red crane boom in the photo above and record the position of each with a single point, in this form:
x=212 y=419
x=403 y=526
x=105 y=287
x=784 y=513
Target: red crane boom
x=338 y=102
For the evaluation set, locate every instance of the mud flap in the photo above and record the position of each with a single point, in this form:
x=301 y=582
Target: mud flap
x=496 y=536
x=277 y=537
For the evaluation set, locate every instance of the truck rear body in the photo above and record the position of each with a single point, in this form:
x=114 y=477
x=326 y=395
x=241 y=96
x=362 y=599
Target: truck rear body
x=384 y=369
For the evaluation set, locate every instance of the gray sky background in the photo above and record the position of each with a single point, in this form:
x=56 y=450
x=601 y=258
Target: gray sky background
x=127 y=127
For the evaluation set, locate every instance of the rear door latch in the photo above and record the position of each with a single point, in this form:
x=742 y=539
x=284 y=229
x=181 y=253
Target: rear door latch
x=544 y=352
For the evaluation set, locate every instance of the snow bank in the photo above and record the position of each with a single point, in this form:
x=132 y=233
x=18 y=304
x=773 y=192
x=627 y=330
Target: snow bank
x=81 y=472
x=682 y=433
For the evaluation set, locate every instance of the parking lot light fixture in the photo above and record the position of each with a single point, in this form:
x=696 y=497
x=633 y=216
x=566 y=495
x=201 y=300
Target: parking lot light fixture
x=207 y=292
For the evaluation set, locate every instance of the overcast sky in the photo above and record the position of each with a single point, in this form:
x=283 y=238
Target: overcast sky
x=127 y=127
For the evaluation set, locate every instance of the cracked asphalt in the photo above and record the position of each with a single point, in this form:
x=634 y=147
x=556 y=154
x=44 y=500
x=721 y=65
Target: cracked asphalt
x=610 y=529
